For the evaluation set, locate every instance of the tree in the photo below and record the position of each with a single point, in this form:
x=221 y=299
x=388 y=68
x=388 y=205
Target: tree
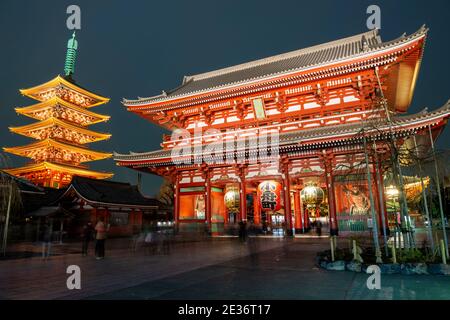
x=10 y=201
x=166 y=192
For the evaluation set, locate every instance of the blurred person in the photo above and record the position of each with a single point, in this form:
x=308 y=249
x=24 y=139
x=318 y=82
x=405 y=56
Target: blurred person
x=150 y=240
x=46 y=240
x=318 y=228
x=100 y=238
x=86 y=236
x=243 y=231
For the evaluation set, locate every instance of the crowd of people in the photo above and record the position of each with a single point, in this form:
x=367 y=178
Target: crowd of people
x=154 y=240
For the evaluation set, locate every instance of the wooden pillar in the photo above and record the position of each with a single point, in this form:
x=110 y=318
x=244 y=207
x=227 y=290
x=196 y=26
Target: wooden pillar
x=139 y=216
x=242 y=194
x=208 y=198
x=331 y=196
x=176 y=199
x=256 y=210
x=107 y=215
x=305 y=215
x=243 y=200
x=287 y=198
x=93 y=216
x=298 y=211
x=131 y=219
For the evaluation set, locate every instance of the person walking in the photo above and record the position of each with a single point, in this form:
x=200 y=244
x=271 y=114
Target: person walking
x=243 y=231
x=150 y=240
x=86 y=236
x=100 y=238
x=46 y=240
x=319 y=228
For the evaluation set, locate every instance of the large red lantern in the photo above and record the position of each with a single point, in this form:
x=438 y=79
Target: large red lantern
x=269 y=195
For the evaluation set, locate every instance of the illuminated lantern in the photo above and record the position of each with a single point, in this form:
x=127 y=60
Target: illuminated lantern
x=232 y=199
x=269 y=195
x=312 y=195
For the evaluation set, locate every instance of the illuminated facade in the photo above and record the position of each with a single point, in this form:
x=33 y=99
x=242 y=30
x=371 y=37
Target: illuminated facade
x=61 y=133
x=335 y=107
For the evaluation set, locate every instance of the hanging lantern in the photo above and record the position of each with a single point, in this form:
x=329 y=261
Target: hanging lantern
x=269 y=195
x=312 y=195
x=231 y=198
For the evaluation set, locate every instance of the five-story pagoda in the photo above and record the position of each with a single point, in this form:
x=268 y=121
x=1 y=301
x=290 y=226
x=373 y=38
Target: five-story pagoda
x=61 y=132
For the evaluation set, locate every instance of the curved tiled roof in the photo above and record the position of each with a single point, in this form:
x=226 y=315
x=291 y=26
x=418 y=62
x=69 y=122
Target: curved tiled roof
x=297 y=60
x=111 y=192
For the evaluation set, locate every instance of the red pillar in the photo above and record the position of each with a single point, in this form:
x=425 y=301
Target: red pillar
x=287 y=199
x=298 y=211
x=93 y=215
x=208 y=199
x=256 y=210
x=176 y=199
x=306 y=218
x=131 y=219
x=106 y=215
x=331 y=198
x=243 y=198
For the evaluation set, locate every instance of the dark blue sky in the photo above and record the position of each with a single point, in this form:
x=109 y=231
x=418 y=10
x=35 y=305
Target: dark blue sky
x=137 y=48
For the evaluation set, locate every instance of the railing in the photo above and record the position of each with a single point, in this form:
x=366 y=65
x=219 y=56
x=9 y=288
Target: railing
x=355 y=223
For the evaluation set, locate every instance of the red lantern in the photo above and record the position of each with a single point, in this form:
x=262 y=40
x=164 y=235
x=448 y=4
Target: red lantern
x=269 y=195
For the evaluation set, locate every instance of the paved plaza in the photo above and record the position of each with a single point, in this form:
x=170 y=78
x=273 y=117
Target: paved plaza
x=263 y=268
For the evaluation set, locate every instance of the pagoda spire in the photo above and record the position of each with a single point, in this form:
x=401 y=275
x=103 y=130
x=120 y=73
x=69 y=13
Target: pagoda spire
x=72 y=46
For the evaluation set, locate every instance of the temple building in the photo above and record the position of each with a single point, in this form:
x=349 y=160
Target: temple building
x=283 y=141
x=63 y=115
x=122 y=206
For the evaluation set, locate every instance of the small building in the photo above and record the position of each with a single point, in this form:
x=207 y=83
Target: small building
x=122 y=206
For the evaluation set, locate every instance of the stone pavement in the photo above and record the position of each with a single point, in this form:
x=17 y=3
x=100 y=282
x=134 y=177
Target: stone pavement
x=285 y=272
x=33 y=278
x=215 y=269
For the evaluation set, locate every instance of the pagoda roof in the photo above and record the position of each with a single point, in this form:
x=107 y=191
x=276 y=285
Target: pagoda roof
x=314 y=137
x=61 y=81
x=46 y=143
x=50 y=122
x=360 y=46
x=28 y=111
x=101 y=192
x=58 y=167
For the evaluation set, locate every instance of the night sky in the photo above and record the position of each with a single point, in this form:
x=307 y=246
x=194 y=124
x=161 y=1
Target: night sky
x=138 y=48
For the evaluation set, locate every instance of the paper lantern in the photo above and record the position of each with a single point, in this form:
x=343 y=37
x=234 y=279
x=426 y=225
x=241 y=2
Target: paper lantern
x=269 y=195
x=232 y=198
x=312 y=195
